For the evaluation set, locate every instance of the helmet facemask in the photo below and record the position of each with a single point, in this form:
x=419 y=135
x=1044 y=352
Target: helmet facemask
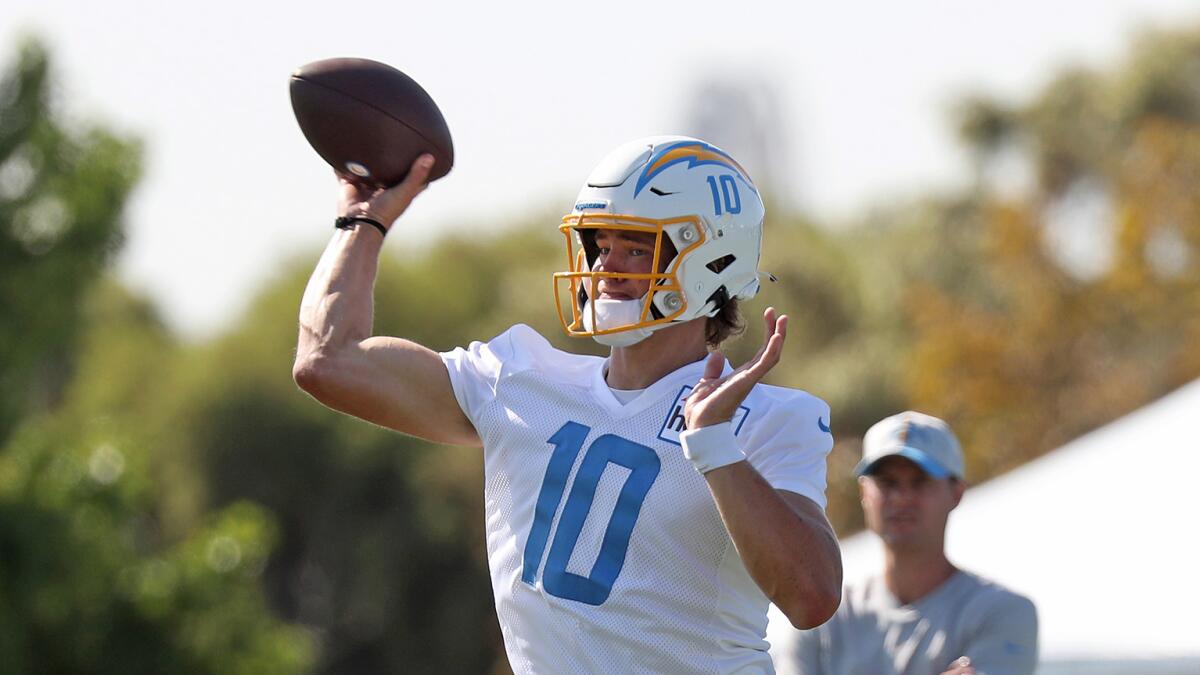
x=616 y=322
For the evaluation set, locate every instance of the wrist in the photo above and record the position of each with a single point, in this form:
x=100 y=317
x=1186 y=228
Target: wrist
x=711 y=447
x=352 y=221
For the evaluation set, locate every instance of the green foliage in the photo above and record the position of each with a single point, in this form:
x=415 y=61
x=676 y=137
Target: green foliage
x=79 y=593
x=61 y=194
x=1022 y=351
x=89 y=580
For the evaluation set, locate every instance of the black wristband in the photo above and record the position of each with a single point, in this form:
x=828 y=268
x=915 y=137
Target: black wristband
x=349 y=222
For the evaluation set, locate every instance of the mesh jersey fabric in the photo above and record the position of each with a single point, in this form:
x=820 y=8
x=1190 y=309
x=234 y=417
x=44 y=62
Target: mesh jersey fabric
x=606 y=550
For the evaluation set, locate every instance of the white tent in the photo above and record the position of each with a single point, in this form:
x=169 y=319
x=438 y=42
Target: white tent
x=1101 y=534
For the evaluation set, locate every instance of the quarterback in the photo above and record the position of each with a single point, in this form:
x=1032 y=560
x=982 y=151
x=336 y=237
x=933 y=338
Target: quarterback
x=642 y=509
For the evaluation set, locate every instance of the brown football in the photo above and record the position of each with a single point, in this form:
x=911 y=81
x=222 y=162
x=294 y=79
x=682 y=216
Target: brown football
x=369 y=120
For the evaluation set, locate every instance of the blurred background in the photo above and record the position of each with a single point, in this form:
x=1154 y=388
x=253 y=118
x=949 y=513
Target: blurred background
x=986 y=212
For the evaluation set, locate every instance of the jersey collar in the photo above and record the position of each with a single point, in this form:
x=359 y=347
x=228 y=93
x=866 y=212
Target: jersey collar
x=668 y=384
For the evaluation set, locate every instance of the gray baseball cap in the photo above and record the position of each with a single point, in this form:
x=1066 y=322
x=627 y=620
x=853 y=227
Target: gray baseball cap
x=926 y=441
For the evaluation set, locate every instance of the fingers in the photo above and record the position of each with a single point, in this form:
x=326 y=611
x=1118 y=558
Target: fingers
x=769 y=319
x=709 y=385
x=713 y=365
x=352 y=189
x=775 y=325
x=759 y=367
x=394 y=201
x=711 y=380
x=780 y=327
x=715 y=398
x=416 y=180
x=961 y=666
x=772 y=348
x=385 y=205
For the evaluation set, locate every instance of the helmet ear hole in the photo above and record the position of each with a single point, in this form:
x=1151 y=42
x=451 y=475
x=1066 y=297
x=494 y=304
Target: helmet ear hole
x=719 y=298
x=721 y=263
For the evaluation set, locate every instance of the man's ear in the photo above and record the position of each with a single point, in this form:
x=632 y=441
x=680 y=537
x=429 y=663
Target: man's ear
x=959 y=486
x=862 y=490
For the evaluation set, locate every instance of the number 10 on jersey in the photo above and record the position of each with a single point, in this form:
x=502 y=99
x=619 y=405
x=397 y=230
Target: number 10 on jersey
x=643 y=465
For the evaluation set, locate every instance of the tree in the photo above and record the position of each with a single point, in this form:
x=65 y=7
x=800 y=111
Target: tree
x=1047 y=298
x=61 y=195
x=1072 y=312
x=89 y=582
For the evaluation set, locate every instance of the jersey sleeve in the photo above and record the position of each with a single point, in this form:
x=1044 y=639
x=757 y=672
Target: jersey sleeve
x=790 y=444
x=1006 y=640
x=475 y=371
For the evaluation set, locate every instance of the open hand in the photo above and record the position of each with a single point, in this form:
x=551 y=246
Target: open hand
x=716 y=398
x=383 y=204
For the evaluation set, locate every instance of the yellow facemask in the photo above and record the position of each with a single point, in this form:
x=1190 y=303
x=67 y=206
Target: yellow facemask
x=663 y=302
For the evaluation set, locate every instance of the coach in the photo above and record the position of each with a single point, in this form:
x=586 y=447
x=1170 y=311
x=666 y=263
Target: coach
x=921 y=615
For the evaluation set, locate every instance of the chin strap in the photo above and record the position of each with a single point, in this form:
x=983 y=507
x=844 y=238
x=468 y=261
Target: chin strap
x=623 y=338
x=614 y=314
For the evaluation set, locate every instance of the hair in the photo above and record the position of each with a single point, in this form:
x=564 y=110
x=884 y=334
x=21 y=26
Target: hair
x=727 y=323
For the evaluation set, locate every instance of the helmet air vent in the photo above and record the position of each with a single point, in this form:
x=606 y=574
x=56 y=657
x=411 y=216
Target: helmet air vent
x=721 y=263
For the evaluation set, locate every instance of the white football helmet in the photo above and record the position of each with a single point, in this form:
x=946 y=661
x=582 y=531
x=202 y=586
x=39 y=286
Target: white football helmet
x=688 y=191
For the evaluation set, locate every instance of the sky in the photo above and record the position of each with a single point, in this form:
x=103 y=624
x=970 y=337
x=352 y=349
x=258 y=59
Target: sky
x=535 y=93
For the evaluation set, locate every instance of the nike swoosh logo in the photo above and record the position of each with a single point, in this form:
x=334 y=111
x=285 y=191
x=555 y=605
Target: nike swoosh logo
x=821 y=425
x=660 y=193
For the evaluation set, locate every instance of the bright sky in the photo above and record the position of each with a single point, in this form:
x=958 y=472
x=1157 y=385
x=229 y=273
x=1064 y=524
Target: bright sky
x=535 y=93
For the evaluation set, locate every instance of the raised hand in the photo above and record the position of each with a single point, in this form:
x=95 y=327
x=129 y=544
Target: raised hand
x=383 y=204
x=716 y=398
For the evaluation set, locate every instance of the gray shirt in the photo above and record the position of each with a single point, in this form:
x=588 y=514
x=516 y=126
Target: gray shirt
x=872 y=633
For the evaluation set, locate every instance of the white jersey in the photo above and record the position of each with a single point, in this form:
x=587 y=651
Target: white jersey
x=606 y=550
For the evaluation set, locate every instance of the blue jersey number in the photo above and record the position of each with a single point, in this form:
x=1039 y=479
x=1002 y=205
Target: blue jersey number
x=727 y=194
x=643 y=465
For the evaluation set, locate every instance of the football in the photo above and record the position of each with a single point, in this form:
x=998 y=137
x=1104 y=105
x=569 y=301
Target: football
x=369 y=120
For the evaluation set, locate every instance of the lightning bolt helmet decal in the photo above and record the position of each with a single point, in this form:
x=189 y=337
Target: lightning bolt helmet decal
x=696 y=153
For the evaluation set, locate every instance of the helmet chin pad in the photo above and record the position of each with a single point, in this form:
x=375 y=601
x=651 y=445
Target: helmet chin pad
x=612 y=315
